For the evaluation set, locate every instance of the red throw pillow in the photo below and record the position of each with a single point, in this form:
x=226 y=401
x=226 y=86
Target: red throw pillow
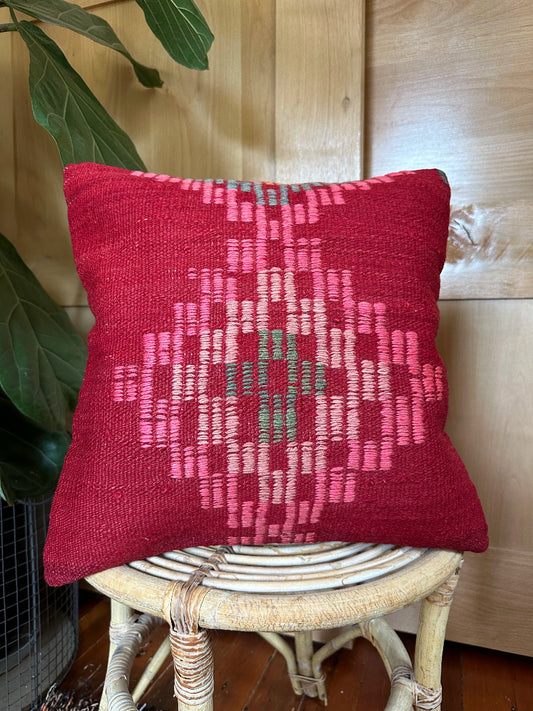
x=262 y=369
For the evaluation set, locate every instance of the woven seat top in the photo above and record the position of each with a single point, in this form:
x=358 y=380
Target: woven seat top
x=283 y=568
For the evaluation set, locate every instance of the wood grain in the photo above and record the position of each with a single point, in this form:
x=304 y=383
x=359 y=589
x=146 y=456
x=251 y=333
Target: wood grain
x=8 y=223
x=450 y=85
x=487 y=347
x=241 y=119
x=319 y=89
x=492 y=604
x=258 y=67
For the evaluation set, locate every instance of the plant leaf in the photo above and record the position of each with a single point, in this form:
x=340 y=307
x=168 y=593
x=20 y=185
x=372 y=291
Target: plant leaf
x=75 y=18
x=181 y=29
x=63 y=103
x=30 y=458
x=42 y=358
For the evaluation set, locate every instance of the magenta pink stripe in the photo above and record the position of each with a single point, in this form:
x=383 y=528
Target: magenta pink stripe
x=233 y=209
x=146 y=394
x=207 y=192
x=118 y=383
x=286 y=223
x=299 y=214
x=403 y=421
x=316 y=254
x=261 y=237
x=417 y=404
x=325 y=198
x=247 y=255
x=365 y=317
x=246 y=212
x=370 y=456
x=398 y=347
x=338 y=197
x=312 y=209
x=439 y=382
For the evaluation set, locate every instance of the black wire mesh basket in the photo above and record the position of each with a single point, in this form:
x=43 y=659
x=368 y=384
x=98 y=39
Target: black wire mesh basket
x=38 y=624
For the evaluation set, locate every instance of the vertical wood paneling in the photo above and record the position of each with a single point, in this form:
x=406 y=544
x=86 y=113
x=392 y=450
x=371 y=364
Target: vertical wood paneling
x=450 y=85
x=319 y=89
x=488 y=349
x=268 y=108
x=258 y=68
x=7 y=135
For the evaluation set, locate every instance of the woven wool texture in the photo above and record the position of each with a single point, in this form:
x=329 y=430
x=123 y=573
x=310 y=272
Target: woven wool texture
x=262 y=369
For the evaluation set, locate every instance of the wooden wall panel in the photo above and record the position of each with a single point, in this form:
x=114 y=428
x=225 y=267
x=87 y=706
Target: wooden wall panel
x=488 y=349
x=236 y=120
x=8 y=224
x=450 y=85
x=319 y=94
x=492 y=603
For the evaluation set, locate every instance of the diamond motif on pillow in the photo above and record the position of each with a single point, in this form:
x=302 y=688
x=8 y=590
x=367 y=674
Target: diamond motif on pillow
x=262 y=369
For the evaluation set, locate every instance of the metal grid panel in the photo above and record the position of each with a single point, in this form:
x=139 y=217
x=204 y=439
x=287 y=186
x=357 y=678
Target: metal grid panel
x=38 y=624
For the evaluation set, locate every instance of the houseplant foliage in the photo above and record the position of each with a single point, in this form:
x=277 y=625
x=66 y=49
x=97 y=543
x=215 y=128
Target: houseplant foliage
x=42 y=359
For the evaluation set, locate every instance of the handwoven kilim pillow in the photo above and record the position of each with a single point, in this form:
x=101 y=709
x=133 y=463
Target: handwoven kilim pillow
x=262 y=369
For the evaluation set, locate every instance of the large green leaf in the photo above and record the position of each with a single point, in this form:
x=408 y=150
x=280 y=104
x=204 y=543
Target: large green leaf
x=181 y=29
x=30 y=458
x=63 y=103
x=73 y=17
x=42 y=358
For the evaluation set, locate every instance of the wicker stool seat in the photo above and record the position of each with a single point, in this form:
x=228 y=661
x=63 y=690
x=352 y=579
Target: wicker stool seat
x=274 y=590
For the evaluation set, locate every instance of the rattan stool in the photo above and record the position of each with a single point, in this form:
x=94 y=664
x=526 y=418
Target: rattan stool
x=273 y=590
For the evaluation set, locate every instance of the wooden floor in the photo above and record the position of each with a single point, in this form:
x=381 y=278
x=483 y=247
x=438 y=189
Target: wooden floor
x=250 y=675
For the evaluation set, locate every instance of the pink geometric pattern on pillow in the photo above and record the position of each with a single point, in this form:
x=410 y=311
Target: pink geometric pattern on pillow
x=262 y=368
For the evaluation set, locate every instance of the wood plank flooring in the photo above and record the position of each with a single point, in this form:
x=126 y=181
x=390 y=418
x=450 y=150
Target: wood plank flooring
x=250 y=675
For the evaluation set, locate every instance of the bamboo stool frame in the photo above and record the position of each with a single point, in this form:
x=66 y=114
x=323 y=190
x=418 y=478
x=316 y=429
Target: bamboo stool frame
x=274 y=590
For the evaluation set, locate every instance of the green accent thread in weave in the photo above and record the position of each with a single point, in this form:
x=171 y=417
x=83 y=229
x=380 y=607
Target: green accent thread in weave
x=277 y=343
x=247 y=378
x=306 y=377
x=259 y=194
x=262 y=373
x=264 y=350
x=443 y=176
x=290 y=418
x=320 y=380
x=277 y=418
x=231 y=379
x=264 y=417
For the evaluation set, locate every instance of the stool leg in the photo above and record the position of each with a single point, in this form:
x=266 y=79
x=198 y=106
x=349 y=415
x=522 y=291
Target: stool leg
x=430 y=643
x=120 y=616
x=303 y=645
x=193 y=670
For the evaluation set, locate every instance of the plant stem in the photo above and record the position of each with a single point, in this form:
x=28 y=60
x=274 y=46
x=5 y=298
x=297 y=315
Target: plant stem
x=8 y=27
